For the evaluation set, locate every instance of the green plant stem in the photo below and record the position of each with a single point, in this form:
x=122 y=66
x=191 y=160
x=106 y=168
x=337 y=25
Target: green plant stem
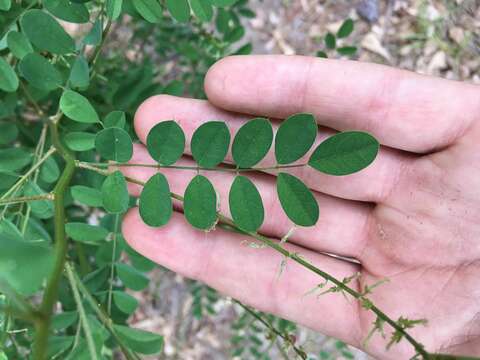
x=366 y=303
x=102 y=316
x=194 y=168
x=24 y=199
x=81 y=312
x=112 y=265
x=51 y=290
x=269 y=326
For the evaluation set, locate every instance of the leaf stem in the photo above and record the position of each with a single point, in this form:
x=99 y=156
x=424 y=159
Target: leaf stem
x=81 y=311
x=193 y=168
x=24 y=199
x=102 y=316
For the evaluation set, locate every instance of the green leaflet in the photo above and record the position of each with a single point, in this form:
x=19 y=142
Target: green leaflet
x=14 y=158
x=140 y=341
x=222 y=2
x=200 y=203
x=330 y=41
x=131 y=277
x=18 y=255
x=114 y=144
x=246 y=204
x=42 y=209
x=39 y=72
x=114 y=9
x=68 y=11
x=345 y=153
x=94 y=37
x=346 y=29
x=297 y=200
x=87 y=195
x=5 y=5
x=295 y=137
x=115 y=196
x=179 y=9
x=155 y=201
x=115 y=119
x=18 y=44
x=150 y=10
x=45 y=32
x=86 y=233
x=125 y=302
x=80 y=74
x=80 y=140
x=202 y=9
x=8 y=78
x=50 y=172
x=252 y=142
x=77 y=107
x=210 y=143
x=166 y=142
x=8 y=132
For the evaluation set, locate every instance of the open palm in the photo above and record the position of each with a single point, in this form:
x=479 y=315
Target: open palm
x=412 y=217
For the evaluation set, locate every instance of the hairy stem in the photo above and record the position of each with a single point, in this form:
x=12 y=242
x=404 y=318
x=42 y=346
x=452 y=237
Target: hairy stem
x=51 y=290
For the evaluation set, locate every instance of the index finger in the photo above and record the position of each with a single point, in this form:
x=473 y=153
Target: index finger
x=402 y=109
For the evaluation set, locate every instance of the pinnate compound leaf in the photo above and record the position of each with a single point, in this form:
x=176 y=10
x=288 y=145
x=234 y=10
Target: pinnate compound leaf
x=86 y=233
x=80 y=140
x=78 y=108
x=131 y=277
x=115 y=196
x=141 y=341
x=200 y=203
x=18 y=256
x=210 y=143
x=46 y=33
x=202 y=9
x=246 y=204
x=8 y=78
x=346 y=29
x=295 y=137
x=297 y=200
x=345 y=153
x=114 y=144
x=155 y=201
x=166 y=142
x=39 y=72
x=18 y=44
x=150 y=10
x=179 y=9
x=252 y=142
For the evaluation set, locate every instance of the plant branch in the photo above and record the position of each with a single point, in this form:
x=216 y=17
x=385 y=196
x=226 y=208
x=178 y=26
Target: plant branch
x=51 y=290
x=275 y=245
x=81 y=311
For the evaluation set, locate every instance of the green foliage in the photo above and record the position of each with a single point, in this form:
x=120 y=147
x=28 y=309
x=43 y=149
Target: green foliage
x=335 y=43
x=252 y=142
x=155 y=201
x=66 y=111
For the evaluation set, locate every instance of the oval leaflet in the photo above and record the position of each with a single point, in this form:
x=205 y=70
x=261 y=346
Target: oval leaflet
x=200 y=203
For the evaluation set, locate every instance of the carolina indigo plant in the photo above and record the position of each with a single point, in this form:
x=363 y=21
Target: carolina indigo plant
x=66 y=106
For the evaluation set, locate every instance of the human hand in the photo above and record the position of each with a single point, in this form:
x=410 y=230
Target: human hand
x=413 y=216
